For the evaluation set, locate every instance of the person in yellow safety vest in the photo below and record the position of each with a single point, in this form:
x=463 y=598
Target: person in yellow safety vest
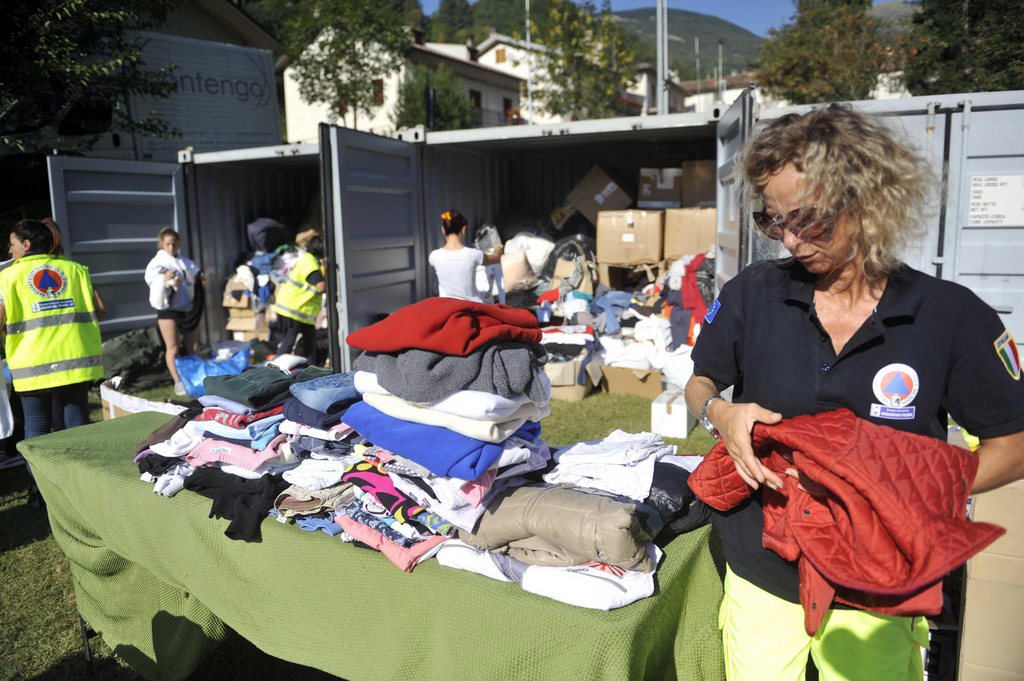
x=49 y=320
x=298 y=299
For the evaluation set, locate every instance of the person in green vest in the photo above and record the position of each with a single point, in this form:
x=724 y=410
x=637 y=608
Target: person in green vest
x=298 y=299
x=49 y=321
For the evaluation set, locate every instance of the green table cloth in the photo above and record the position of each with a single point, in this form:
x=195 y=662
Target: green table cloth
x=157 y=578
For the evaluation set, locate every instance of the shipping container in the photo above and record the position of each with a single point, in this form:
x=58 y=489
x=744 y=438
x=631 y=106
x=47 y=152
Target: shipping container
x=975 y=227
x=381 y=199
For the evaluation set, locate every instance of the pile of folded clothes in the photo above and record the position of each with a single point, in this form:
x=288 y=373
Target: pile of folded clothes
x=255 y=434
x=433 y=448
x=453 y=392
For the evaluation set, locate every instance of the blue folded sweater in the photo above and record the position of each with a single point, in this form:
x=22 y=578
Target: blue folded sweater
x=441 y=451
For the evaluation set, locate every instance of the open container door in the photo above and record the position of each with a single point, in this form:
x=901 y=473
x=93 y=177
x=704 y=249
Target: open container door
x=734 y=238
x=375 y=241
x=109 y=212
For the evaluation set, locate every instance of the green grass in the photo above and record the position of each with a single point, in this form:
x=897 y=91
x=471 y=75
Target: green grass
x=39 y=635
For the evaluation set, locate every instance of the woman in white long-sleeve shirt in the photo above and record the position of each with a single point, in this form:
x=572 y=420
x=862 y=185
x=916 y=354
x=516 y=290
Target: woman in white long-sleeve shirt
x=171 y=279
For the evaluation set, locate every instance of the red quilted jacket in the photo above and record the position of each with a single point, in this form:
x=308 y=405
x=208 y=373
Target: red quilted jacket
x=885 y=520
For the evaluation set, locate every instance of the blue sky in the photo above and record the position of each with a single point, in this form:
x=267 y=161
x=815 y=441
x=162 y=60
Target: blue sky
x=757 y=16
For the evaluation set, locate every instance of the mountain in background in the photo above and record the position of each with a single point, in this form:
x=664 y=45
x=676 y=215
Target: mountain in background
x=739 y=46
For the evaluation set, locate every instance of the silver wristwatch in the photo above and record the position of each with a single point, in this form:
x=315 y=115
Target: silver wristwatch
x=705 y=421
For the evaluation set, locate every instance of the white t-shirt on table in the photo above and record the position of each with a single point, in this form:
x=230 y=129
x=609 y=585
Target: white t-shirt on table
x=456 y=272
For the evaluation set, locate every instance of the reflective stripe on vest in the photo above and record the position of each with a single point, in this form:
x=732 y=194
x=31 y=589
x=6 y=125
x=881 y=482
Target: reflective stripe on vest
x=55 y=320
x=55 y=367
x=302 y=285
x=299 y=315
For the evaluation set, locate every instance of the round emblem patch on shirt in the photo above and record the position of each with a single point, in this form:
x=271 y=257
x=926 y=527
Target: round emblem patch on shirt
x=47 y=281
x=895 y=386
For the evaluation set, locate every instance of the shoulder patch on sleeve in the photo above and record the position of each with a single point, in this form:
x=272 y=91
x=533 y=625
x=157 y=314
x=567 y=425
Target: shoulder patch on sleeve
x=1008 y=354
x=713 y=310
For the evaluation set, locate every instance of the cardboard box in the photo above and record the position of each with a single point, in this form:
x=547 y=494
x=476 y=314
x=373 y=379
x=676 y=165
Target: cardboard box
x=629 y=237
x=262 y=335
x=688 y=231
x=563 y=379
x=597 y=191
x=116 y=403
x=991 y=642
x=230 y=301
x=660 y=188
x=995 y=592
x=254 y=323
x=669 y=415
x=241 y=313
x=626 y=278
x=566 y=268
x=699 y=183
x=640 y=382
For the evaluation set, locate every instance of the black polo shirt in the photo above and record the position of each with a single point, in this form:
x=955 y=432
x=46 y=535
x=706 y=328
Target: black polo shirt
x=931 y=347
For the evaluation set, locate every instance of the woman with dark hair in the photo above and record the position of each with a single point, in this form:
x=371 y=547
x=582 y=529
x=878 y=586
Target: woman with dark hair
x=172 y=280
x=842 y=323
x=298 y=299
x=49 y=317
x=455 y=263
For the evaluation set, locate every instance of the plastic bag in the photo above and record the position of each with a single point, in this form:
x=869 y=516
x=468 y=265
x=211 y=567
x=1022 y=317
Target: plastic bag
x=193 y=369
x=487 y=238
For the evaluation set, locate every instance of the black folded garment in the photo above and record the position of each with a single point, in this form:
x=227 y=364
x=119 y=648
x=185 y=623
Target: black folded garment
x=295 y=410
x=242 y=501
x=675 y=502
x=563 y=352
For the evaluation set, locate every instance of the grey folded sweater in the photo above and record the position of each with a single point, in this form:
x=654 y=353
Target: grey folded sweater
x=507 y=369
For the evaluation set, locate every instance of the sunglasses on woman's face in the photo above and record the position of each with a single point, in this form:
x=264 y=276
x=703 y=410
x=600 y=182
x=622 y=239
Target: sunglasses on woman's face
x=805 y=223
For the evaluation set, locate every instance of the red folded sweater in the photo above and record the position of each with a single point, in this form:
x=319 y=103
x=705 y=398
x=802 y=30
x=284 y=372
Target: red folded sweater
x=448 y=326
x=886 y=519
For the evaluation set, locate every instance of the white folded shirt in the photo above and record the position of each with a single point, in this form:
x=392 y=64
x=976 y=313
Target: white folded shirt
x=472 y=404
x=488 y=430
x=594 y=585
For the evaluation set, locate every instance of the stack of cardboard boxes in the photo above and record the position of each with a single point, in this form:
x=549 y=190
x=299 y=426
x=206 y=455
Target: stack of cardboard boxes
x=244 y=322
x=674 y=216
x=995 y=592
x=671 y=220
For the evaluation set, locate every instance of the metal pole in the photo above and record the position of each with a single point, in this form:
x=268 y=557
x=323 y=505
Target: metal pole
x=659 y=97
x=529 y=69
x=696 y=52
x=665 y=51
x=327 y=198
x=721 y=74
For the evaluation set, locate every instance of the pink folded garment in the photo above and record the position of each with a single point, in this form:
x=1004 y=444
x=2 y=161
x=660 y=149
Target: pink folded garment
x=212 y=450
x=405 y=558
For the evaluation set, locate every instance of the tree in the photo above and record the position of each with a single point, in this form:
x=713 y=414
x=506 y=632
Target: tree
x=273 y=14
x=67 y=67
x=832 y=51
x=587 y=63
x=962 y=46
x=452 y=22
x=452 y=108
x=340 y=48
x=508 y=18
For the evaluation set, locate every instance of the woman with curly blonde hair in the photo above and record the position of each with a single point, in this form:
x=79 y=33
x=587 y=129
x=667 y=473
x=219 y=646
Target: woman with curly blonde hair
x=842 y=323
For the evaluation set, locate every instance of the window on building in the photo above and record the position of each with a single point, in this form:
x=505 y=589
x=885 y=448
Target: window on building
x=378 y=92
x=499 y=55
x=475 y=99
